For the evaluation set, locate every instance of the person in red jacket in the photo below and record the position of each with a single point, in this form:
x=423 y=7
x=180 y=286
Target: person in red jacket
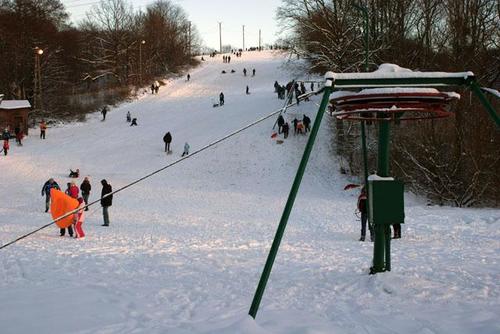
x=78 y=219
x=362 y=207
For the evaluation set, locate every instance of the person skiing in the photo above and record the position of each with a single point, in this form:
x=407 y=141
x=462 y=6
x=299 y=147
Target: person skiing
x=186 y=149
x=43 y=128
x=364 y=215
x=85 y=187
x=281 y=121
x=46 y=191
x=286 y=128
x=307 y=123
x=188 y=77
x=104 y=111
x=167 y=139
x=78 y=219
x=134 y=122
x=245 y=72
x=221 y=99
x=107 y=201
x=129 y=117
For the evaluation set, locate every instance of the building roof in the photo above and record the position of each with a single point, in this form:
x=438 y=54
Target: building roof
x=14 y=104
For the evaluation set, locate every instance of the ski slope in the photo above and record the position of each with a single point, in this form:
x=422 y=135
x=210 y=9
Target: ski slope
x=185 y=248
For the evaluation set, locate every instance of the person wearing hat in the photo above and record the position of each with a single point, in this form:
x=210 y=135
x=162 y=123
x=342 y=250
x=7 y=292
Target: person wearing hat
x=46 y=191
x=106 y=201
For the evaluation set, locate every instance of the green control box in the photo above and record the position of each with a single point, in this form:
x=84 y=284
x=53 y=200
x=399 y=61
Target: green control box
x=386 y=201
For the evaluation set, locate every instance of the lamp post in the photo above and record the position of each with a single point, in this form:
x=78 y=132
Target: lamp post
x=37 y=98
x=140 y=61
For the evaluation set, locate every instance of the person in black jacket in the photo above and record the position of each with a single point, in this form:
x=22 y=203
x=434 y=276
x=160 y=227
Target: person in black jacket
x=167 y=139
x=107 y=201
x=85 y=187
x=307 y=123
x=221 y=99
x=281 y=122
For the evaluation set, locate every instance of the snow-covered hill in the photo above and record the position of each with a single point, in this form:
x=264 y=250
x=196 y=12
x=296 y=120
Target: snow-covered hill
x=186 y=248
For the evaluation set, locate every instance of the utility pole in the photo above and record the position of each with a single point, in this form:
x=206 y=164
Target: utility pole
x=189 y=39
x=220 y=38
x=243 y=38
x=260 y=48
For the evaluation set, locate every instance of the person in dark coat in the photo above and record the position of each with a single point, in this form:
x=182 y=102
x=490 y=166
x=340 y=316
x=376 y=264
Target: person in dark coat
x=245 y=72
x=85 y=187
x=221 y=99
x=362 y=207
x=104 y=111
x=46 y=191
x=295 y=123
x=188 y=77
x=248 y=91
x=286 y=128
x=129 y=117
x=281 y=121
x=397 y=231
x=253 y=72
x=107 y=201
x=134 y=122
x=307 y=123
x=167 y=139
x=17 y=130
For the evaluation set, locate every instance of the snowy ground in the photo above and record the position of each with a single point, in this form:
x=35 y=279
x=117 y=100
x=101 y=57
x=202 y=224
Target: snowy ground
x=186 y=248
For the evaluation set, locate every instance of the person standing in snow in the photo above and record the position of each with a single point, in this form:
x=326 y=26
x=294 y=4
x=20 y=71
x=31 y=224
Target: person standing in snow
x=280 y=122
x=153 y=88
x=46 y=191
x=129 y=117
x=253 y=72
x=167 y=139
x=72 y=190
x=286 y=128
x=186 y=149
x=43 y=128
x=295 y=123
x=79 y=218
x=247 y=90
x=157 y=87
x=85 y=187
x=307 y=123
x=364 y=215
x=245 y=72
x=107 y=201
x=104 y=111
x=188 y=77
x=6 y=138
x=221 y=99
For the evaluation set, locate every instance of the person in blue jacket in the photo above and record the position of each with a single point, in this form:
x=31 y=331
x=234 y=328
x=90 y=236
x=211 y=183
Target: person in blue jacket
x=46 y=191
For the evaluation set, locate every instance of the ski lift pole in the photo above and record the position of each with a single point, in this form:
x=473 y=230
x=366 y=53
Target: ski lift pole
x=291 y=198
x=487 y=105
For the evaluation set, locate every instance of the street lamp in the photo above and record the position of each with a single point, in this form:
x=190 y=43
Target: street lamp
x=140 y=61
x=37 y=99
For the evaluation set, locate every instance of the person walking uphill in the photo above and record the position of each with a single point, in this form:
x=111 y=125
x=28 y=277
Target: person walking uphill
x=46 y=191
x=85 y=187
x=107 y=201
x=167 y=139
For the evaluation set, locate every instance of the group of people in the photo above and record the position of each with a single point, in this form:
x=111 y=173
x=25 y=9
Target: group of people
x=167 y=139
x=73 y=191
x=226 y=59
x=290 y=89
x=245 y=72
x=132 y=121
x=299 y=126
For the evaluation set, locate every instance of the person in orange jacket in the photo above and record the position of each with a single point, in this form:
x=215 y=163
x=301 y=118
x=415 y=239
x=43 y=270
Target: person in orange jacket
x=43 y=128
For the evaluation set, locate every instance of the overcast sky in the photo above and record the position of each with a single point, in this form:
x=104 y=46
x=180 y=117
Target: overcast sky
x=205 y=15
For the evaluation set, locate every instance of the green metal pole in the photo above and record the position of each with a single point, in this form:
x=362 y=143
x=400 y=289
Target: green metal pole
x=380 y=247
x=388 y=247
x=489 y=108
x=289 y=203
x=365 y=154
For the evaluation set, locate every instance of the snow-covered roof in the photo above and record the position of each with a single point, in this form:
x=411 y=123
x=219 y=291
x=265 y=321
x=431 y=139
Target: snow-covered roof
x=492 y=91
x=14 y=104
x=393 y=71
x=391 y=90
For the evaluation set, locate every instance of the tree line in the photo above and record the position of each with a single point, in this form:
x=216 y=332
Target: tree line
x=94 y=62
x=452 y=161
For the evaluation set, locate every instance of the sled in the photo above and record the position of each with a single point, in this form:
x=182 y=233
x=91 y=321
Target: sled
x=274 y=135
x=280 y=141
